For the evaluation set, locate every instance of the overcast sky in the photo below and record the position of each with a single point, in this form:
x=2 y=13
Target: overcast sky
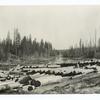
x=63 y=26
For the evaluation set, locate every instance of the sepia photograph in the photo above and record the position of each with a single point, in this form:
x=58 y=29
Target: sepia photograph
x=50 y=49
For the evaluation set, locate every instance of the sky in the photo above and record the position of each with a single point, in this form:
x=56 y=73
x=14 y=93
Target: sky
x=63 y=26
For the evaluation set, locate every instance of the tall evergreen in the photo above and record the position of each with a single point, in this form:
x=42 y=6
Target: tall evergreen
x=25 y=46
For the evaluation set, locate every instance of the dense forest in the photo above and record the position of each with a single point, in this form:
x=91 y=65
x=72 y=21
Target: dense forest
x=21 y=47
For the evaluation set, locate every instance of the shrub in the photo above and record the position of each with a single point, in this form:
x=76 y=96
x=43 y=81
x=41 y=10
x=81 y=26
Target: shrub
x=30 y=88
x=35 y=83
x=25 y=80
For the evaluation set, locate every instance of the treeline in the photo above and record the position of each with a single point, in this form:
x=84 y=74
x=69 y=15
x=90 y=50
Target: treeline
x=83 y=51
x=23 y=47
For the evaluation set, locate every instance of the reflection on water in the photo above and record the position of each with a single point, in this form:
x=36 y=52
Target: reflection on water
x=61 y=59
